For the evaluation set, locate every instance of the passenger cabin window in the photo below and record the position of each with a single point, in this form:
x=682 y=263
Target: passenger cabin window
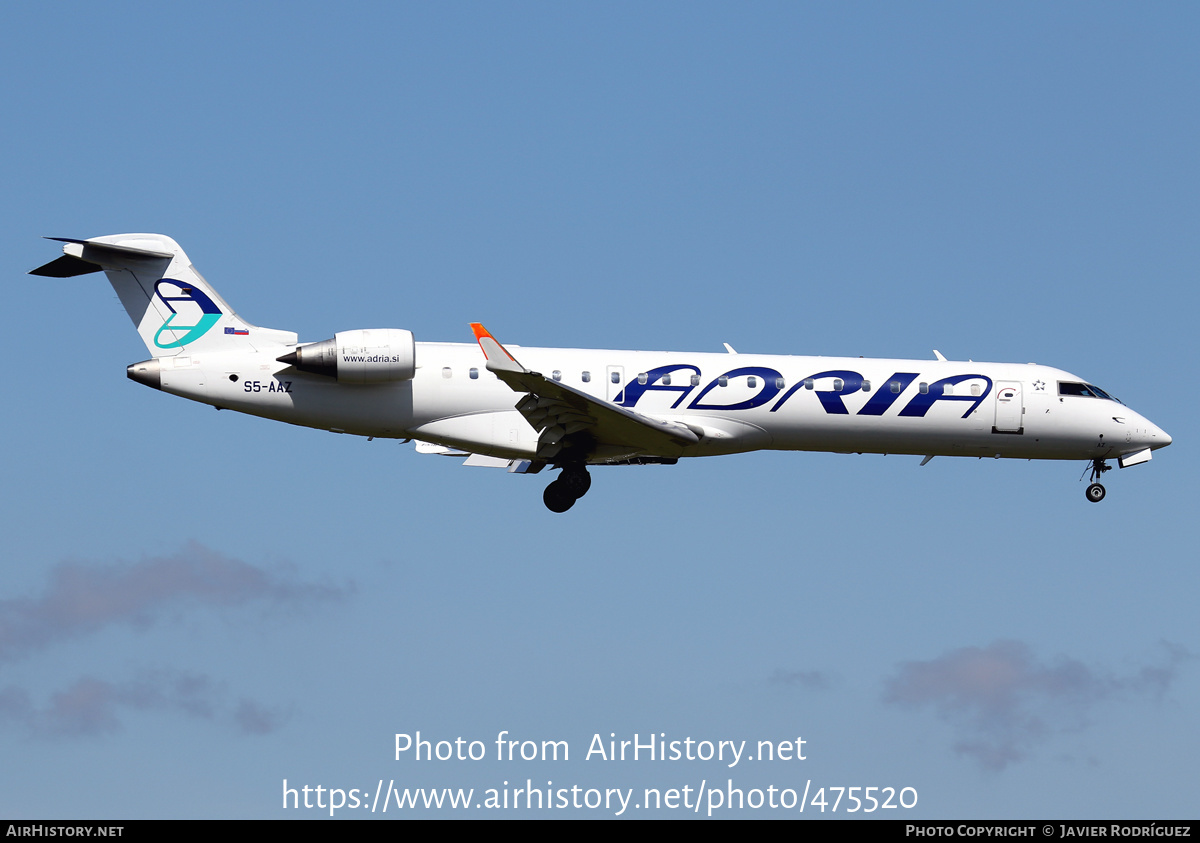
x=838 y=384
x=895 y=387
x=665 y=380
x=695 y=380
x=642 y=378
x=615 y=377
x=809 y=383
x=556 y=374
x=974 y=389
x=586 y=377
x=752 y=381
x=924 y=389
x=780 y=383
x=722 y=381
x=446 y=372
x=866 y=387
x=474 y=373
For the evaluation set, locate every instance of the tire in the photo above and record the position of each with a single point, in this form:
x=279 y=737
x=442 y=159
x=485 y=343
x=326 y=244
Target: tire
x=576 y=481
x=1095 y=493
x=557 y=498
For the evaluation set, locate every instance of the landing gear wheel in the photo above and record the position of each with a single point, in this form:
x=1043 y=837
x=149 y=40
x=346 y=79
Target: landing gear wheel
x=576 y=480
x=1095 y=493
x=558 y=497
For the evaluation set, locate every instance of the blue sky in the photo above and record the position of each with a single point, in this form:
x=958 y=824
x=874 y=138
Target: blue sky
x=196 y=606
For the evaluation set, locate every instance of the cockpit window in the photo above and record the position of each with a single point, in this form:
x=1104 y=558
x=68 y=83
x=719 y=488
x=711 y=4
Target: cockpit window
x=1085 y=390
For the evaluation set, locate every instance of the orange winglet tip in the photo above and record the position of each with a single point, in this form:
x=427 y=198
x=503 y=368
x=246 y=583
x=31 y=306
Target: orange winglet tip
x=491 y=347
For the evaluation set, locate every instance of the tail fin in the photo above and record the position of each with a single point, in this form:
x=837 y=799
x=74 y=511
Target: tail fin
x=171 y=305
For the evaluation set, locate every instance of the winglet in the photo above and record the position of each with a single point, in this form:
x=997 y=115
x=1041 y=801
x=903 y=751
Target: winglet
x=498 y=358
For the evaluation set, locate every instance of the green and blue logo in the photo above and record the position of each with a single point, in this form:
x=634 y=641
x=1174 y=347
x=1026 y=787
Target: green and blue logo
x=209 y=313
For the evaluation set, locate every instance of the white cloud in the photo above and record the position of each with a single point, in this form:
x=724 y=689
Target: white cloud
x=1002 y=701
x=84 y=598
x=92 y=706
x=809 y=680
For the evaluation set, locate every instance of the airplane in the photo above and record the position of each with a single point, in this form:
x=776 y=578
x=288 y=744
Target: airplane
x=527 y=409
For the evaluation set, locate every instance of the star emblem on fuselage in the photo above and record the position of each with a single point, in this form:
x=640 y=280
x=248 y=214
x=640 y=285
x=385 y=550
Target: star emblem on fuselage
x=1039 y=386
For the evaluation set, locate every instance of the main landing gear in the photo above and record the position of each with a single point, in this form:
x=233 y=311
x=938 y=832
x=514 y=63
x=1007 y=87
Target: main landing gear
x=1095 y=492
x=570 y=486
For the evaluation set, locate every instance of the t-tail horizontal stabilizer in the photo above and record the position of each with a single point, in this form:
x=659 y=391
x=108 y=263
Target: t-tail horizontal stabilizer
x=173 y=308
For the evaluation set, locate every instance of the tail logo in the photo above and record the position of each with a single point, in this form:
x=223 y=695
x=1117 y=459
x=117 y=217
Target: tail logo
x=196 y=306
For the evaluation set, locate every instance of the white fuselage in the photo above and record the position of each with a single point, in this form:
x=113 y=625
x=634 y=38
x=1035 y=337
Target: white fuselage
x=735 y=402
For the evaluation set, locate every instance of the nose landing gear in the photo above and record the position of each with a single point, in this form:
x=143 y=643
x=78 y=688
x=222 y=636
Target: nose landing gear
x=1095 y=492
x=570 y=486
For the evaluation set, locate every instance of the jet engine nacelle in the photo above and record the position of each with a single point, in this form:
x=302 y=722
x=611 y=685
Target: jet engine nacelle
x=375 y=355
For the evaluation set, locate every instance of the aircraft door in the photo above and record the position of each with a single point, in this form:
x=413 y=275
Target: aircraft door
x=616 y=381
x=1010 y=407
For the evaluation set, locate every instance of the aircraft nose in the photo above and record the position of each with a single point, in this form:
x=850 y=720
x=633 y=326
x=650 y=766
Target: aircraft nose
x=1143 y=433
x=1155 y=436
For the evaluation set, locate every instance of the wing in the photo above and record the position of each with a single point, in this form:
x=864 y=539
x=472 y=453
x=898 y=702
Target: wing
x=573 y=425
